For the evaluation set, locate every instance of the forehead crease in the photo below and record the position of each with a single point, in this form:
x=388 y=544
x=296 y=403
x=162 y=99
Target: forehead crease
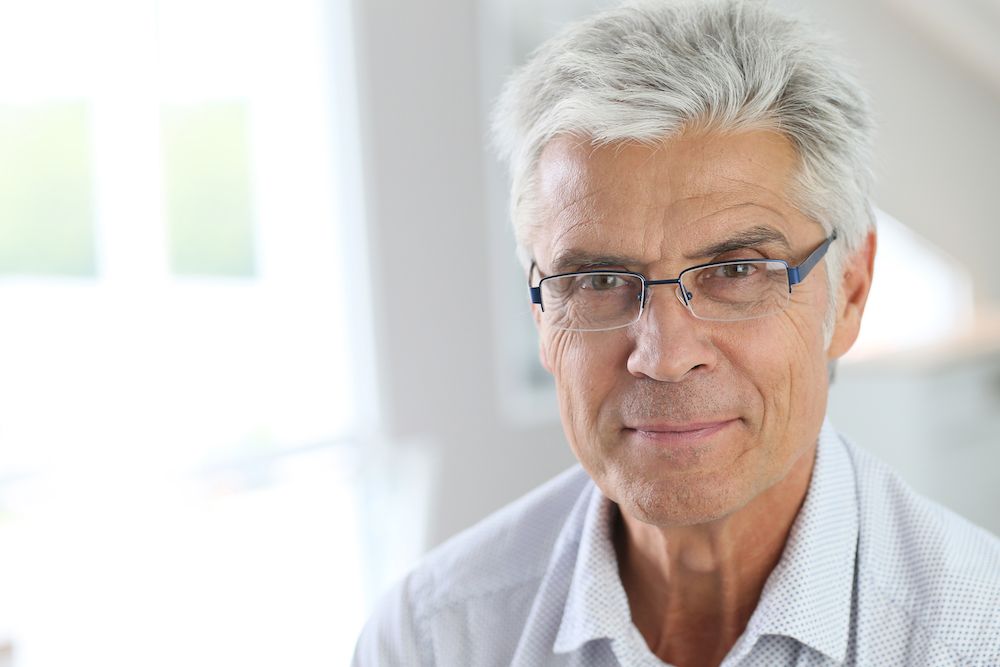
x=600 y=241
x=771 y=184
x=623 y=224
x=736 y=208
x=622 y=201
x=739 y=212
x=573 y=174
x=576 y=228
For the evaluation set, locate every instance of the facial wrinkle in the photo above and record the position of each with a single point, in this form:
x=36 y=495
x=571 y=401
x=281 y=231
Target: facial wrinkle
x=582 y=200
x=576 y=227
x=752 y=186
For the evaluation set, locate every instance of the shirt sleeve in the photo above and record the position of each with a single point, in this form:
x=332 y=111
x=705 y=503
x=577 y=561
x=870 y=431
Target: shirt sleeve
x=390 y=636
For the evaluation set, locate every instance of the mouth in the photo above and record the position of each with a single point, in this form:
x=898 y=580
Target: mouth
x=675 y=434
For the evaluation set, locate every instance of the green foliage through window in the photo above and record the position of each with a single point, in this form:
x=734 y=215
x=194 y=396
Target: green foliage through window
x=46 y=190
x=208 y=189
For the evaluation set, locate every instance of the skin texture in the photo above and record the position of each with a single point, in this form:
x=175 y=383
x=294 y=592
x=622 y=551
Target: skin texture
x=704 y=512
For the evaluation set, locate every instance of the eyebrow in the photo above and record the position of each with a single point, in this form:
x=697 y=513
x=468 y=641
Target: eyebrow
x=748 y=238
x=571 y=259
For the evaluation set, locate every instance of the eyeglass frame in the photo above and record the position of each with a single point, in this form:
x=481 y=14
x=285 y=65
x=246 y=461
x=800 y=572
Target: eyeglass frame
x=796 y=274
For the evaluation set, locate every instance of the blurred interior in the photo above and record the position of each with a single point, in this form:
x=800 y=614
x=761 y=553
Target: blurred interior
x=265 y=340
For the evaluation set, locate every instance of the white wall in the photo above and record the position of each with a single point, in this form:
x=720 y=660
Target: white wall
x=938 y=144
x=431 y=259
x=933 y=418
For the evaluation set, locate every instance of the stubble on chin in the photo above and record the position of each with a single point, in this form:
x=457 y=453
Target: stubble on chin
x=678 y=500
x=648 y=492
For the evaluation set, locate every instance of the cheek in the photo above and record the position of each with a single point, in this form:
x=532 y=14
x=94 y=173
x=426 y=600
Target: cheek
x=586 y=369
x=782 y=357
x=797 y=400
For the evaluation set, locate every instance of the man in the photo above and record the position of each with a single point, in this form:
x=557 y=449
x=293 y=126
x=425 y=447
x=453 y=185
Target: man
x=690 y=197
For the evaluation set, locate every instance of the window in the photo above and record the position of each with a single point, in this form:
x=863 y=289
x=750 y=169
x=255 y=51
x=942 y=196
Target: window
x=179 y=384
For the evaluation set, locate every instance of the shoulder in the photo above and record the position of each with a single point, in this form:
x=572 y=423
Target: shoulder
x=485 y=575
x=925 y=565
x=509 y=547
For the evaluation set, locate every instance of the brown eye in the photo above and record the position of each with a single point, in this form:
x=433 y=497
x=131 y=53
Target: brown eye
x=736 y=270
x=602 y=282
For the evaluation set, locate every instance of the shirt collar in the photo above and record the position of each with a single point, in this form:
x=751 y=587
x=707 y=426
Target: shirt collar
x=596 y=606
x=809 y=593
x=806 y=597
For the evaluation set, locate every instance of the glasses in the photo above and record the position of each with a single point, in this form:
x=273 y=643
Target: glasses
x=728 y=291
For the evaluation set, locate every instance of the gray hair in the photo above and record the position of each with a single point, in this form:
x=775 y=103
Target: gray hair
x=648 y=70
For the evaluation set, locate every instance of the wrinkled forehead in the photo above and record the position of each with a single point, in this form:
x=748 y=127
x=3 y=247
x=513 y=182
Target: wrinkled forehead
x=659 y=202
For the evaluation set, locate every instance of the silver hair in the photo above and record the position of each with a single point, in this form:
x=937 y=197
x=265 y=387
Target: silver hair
x=649 y=70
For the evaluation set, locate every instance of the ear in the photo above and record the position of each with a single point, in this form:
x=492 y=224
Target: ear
x=543 y=356
x=852 y=294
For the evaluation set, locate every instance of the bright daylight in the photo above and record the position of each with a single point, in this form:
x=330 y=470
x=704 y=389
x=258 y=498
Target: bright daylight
x=174 y=467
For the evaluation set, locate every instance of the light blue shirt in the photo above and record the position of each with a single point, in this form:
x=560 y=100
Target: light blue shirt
x=872 y=574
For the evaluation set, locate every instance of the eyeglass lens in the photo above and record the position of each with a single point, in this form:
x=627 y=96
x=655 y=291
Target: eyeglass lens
x=726 y=291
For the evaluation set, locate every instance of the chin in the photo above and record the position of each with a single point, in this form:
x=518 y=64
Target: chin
x=681 y=502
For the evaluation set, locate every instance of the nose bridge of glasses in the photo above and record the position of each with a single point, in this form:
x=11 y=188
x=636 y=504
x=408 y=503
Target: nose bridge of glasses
x=680 y=291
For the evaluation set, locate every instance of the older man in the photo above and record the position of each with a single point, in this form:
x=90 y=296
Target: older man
x=690 y=196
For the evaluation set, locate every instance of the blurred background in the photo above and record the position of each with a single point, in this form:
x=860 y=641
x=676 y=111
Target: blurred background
x=263 y=339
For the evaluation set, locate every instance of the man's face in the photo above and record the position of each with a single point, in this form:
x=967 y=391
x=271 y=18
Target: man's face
x=679 y=420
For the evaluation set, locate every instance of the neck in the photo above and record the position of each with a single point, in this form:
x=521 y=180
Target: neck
x=692 y=589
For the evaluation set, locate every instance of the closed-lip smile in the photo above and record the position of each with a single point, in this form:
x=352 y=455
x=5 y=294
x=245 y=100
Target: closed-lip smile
x=679 y=432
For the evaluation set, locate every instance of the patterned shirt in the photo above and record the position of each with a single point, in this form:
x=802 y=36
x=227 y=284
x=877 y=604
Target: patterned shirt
x=871 y=574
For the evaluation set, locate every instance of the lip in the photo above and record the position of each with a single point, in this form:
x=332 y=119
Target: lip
x=679 y=433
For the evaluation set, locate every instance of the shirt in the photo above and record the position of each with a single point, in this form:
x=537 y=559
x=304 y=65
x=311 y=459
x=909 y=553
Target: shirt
x=871 y=574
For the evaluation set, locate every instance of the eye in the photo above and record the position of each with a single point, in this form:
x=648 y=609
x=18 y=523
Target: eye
x=736 y=270
x=602 y=282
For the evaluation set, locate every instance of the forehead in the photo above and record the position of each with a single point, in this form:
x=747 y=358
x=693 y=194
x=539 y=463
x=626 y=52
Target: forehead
x=659 y=202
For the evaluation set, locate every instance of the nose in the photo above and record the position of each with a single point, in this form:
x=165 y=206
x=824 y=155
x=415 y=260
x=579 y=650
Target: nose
x=669 y=343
